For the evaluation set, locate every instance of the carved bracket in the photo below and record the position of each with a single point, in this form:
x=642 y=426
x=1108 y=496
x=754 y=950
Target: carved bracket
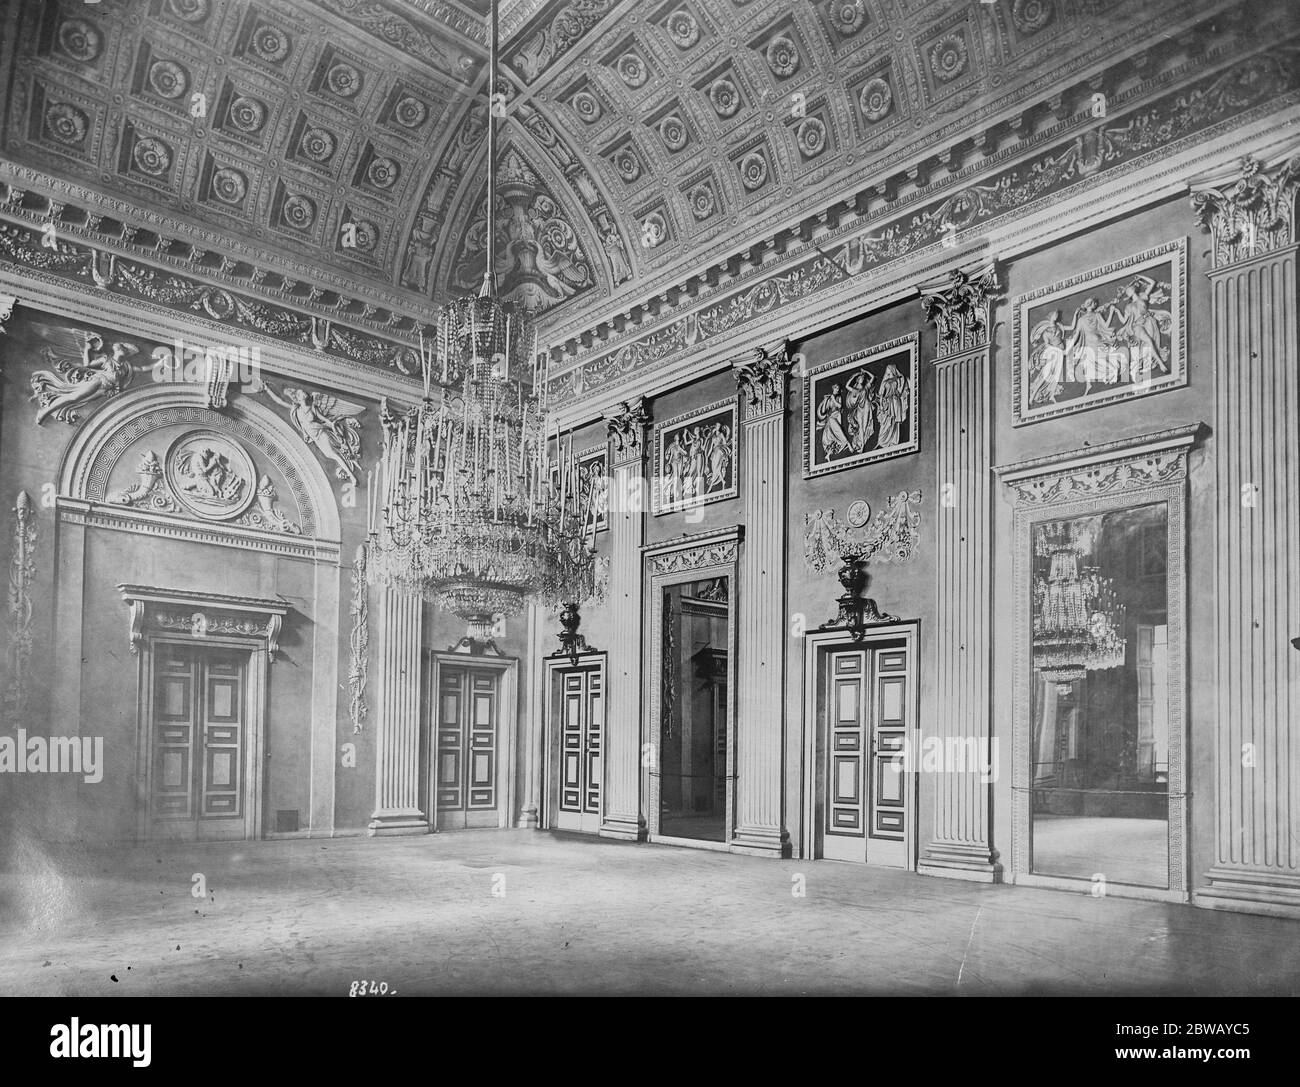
x=204 y=615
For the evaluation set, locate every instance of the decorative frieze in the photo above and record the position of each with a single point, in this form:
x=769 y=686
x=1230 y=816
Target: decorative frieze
x=892 y=233
x=71 y=260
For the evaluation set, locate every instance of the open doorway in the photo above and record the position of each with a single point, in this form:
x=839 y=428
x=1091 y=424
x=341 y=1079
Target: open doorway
x=693 y=717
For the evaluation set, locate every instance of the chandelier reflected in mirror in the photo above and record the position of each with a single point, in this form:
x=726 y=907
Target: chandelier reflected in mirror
x=1077 y=621
x=468 y=508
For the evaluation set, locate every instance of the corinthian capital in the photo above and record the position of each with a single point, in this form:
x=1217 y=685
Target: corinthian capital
x=626 y=425
x=1249 y=211
x=960 y=311
x=761 y=378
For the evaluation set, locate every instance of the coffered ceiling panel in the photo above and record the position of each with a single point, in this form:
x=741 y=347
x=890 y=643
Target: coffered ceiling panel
x=643 y=139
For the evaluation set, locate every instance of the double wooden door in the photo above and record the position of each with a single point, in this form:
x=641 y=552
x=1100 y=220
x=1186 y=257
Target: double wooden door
x=578 y=715
x=867 y=714
x=466 y=753
x=199 y=733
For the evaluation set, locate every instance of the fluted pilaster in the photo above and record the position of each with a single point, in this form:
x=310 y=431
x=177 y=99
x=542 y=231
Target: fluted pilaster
x=621 y=816
x=1257 y=583
x=397 y=755
x=960 y=846
x=760 y=642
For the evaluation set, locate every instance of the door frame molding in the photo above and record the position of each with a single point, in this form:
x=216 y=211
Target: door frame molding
x=1144 y=470
x=507 y=726
x=815 y=645
x=598 y=659
x=698 y=557
x=255 y=701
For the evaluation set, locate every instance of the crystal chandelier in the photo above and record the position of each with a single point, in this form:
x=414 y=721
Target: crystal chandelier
x=1078 y=623
x=467 y=506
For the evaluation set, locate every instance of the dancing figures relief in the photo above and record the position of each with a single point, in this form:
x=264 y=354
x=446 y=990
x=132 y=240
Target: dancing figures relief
x=1110 y=334
x=695 y=458
x=861 y=408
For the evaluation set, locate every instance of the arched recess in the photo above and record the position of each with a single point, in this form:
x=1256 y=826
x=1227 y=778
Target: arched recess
x=89 y=459
x=102 y=541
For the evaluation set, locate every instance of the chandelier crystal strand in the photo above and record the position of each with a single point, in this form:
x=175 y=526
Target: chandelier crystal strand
x=469 y=512
x=1078 y=621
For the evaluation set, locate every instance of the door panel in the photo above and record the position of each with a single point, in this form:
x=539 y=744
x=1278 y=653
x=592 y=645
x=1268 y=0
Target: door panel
x=581 y=718
x=865 y=721
x=847 y=735
x=466 y=758
x=198 y=733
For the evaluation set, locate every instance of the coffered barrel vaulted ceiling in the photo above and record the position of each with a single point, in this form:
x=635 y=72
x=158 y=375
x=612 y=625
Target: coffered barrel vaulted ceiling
x=338 y=144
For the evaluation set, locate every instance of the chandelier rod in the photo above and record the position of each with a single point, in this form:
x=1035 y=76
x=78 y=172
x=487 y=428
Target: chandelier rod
x=490 y=272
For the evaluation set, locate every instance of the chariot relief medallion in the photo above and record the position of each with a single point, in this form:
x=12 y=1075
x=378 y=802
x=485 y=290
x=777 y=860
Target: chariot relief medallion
x=211 y=475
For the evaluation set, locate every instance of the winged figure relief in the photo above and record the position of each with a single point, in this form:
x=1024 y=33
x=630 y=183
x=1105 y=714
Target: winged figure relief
x=326 y=422
x=81 y=371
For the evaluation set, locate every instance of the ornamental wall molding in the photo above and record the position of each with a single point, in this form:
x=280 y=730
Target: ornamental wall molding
x=22 y=574
x=1007 y=119
x=1059 y=67
x=85 y=304
x=152 y=492
x=358 y=641
x=1250 y=210
x=696 y=551
x=1144 y=469
x=82 y=262
x=835 y=262
x=140 y=233
x=203 y=615
x=71 y=511
x=1148 y=460
x=99 y=444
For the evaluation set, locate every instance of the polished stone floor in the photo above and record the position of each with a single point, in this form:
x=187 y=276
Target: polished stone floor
x=575 y=915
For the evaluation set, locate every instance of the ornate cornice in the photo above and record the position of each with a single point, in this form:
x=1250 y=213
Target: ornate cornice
x=699 y=550
x=202 y=615
x=626 y=426
x=124 y=519
x=762 y=380
x=84 y=264
x=960 y=311
x=903 y=230
x=1249 y=212
x=1147 y=460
